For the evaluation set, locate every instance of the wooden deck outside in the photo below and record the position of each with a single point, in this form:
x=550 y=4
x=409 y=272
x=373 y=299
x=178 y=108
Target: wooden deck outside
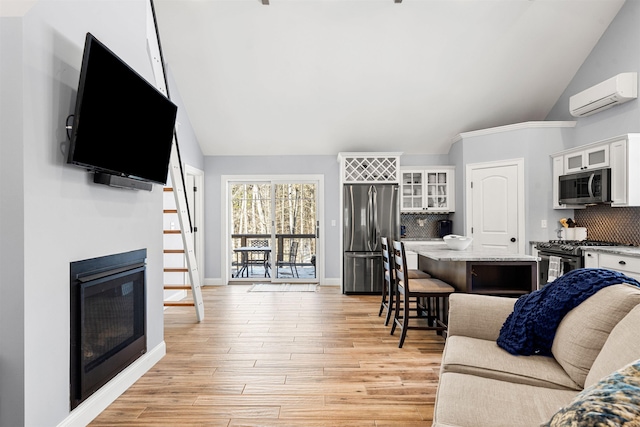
x=284 y=359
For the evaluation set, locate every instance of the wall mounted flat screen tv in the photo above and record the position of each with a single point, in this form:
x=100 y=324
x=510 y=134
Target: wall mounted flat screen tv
x=122 y=125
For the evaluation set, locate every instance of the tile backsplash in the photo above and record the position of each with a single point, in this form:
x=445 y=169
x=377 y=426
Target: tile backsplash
x=610 y=224
x=421 y=226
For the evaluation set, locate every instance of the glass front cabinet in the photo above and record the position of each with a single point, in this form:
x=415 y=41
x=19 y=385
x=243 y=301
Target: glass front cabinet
x=591 y=158
x=427 y=190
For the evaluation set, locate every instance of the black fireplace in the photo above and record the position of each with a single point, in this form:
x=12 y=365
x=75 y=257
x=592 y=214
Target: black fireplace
x=107 y=319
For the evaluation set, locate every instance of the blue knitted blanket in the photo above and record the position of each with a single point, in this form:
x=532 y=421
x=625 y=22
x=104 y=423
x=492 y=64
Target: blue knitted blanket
x=531 y=327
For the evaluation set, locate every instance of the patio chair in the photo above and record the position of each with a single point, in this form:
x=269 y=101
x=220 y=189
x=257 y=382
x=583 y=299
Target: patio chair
x=293 y=253
x=259 y=258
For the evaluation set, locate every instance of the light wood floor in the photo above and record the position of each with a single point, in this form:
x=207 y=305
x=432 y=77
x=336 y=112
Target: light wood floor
x=284 y=359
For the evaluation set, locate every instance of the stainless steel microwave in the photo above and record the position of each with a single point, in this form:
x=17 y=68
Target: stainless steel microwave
x=587 y=187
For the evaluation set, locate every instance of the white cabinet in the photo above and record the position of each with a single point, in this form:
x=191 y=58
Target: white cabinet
x=358 y=168
x=627 y=264
x=591 y=259
x=625 y=171
x=427 y=189
x=622 y=263
x=621 y=154
x=412 y=260
x=412 y=182
x=558 y=169
x=590 y=158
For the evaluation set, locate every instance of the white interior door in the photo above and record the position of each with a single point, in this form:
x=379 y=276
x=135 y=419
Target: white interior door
x=495 y=214
x=194 y=192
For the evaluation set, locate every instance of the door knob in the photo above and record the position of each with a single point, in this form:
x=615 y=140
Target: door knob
x=513 y=239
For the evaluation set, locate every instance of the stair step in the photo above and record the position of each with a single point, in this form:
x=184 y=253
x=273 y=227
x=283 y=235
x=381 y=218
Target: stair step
x=171 y=231
x=177 y=287
x=174 y=251
x=170 y=211
x=176 y=270
x=168 y=189
x=179 y=304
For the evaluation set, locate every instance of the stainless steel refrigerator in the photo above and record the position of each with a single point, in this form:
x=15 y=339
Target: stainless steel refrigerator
x=370 y=211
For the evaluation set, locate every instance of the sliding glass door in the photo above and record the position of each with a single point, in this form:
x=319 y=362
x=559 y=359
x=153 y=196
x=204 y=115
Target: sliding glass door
x=251 y=231
x=295 y=231
x=273 y=231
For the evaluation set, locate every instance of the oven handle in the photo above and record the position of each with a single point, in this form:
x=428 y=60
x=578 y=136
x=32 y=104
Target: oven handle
x=546 y=257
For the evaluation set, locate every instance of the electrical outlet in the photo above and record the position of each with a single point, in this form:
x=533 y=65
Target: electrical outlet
x=543 y=223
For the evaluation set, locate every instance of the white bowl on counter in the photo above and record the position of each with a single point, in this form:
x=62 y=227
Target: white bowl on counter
x=456 y=242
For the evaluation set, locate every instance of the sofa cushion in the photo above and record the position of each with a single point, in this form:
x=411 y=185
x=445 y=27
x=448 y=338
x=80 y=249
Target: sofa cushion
x=532 y=326
x=478 y=316
x=484 y=358
x=584 y=330
x=622 y=347
x=468 y=400
x=613 y=401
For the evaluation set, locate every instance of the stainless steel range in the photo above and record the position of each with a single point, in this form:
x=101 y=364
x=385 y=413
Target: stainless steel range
x=570 y=253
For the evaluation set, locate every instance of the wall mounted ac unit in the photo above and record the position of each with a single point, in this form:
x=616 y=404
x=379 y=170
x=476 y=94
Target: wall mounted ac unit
x=614 y=91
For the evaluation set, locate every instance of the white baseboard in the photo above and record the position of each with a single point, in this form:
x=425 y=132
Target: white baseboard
x=217 y=281
x=105 y=396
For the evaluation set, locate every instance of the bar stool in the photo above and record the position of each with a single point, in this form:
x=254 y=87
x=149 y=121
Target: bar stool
x=410 y=291
x=388 y=282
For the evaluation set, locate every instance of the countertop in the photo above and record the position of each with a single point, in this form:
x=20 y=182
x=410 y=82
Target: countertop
x=633 y=251
x=439 y=251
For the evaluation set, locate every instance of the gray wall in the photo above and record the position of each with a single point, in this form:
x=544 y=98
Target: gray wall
x=617 y=51
x=216 y=166
x=51 y=213
x=424 y=160
x=190 y=151
x=534 y=146
x=12 y=220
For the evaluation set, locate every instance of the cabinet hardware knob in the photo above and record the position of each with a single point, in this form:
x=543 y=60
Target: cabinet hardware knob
x=622 y=263
x=513 y=239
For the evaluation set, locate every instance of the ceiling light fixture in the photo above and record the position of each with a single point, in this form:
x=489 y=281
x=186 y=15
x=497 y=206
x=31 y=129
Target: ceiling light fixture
x=397 y=1
x=266 y=2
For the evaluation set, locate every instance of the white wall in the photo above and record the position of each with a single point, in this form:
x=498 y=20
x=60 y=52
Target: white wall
x=65 y=217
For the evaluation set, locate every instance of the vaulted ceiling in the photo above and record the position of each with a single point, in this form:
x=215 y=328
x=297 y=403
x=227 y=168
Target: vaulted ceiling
x=324 y=76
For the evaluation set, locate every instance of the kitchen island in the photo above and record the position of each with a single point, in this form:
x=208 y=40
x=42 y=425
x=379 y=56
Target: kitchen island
x=479 y=271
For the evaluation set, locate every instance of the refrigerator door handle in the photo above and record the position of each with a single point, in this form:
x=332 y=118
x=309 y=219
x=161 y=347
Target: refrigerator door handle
x=376 y=228
x=369 y=217
x=372 y=255
x=349 y=220
x=372 y=219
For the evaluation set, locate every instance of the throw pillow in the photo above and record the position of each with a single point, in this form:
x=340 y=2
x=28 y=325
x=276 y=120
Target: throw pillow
x=614 y=401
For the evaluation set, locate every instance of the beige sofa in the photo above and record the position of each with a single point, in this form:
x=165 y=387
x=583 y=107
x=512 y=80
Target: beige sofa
x=483 y=385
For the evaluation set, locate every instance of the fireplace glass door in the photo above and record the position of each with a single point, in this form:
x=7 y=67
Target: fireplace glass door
x=108 y=327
